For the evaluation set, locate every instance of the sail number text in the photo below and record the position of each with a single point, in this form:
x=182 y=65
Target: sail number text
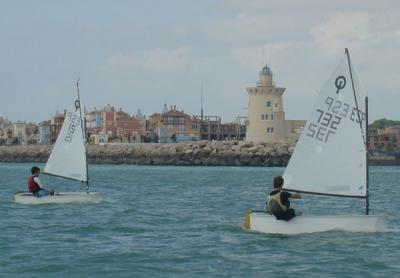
x=74 y=123
x=328 y=120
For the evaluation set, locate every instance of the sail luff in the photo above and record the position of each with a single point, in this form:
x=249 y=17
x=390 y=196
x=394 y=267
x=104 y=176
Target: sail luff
x=354 y=92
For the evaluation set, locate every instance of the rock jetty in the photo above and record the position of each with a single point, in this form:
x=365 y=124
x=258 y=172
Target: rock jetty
x=206 y=153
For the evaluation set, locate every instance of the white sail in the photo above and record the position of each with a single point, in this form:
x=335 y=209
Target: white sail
x=68 y=157
x=330 y=156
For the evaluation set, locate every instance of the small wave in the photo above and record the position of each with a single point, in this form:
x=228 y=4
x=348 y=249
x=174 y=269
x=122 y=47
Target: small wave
x=389 y=230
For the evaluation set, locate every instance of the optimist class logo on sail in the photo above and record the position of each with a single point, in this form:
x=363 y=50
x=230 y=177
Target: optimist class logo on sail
x=334 y=111
x=75 y=122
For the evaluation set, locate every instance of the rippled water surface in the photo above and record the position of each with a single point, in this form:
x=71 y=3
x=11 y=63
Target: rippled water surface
x=187 y=222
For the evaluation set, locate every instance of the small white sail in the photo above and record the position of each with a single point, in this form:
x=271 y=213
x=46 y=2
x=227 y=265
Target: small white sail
x=330 y=156
x=68 y=157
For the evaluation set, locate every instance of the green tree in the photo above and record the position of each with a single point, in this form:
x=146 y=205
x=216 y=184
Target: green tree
x=382 y=123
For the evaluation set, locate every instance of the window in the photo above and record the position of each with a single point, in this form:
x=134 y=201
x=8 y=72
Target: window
x=181 y=120
x=262 y=116
x=270 y=130
x=276 y=104
x=170 y=119
x=181 y=128
x=272 y=117
x=268 y=104
x=169 y=127
x=266 y=116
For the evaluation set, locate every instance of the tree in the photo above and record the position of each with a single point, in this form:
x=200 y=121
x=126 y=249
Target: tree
x=382 y=123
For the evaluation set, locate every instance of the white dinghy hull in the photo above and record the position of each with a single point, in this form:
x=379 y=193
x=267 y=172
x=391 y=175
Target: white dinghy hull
x=265 y=223
x=61 y=198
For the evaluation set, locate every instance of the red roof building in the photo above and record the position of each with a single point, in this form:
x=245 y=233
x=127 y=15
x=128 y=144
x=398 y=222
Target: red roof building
x=120 y=124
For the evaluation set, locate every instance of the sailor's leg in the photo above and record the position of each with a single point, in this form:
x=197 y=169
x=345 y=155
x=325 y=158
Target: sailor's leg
x=42 y=192
x=289 y=214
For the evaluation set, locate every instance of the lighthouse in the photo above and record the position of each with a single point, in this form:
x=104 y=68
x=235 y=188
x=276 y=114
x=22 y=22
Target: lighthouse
x=265 y=110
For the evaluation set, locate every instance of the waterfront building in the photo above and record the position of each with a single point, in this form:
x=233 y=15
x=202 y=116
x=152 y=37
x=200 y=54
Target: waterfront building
x=120 y=125
x=55 y=125
x=153 y=122
x=209 y=127
x=32 y=133
x=93 y=122
x=19 y=132
x=396 y=130
x=233 y=131
x=212 y=128
x=384 y=140
x=141 y=118
x=99 y=138
x=241 y=127
x=44 y=132
x=6 y=130
x=5 y=123
x=177 y=126
x=266 y=116
x=93 y=119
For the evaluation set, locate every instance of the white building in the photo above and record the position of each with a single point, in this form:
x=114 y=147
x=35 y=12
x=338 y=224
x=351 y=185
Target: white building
x=266 y=114
x=19 y=131
x=99 y=138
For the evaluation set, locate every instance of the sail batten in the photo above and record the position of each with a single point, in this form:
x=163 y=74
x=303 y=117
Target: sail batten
x=329 y=158
x=68 y=157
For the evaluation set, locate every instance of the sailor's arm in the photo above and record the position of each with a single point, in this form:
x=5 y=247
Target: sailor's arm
x=37 y=180
x=295 y=196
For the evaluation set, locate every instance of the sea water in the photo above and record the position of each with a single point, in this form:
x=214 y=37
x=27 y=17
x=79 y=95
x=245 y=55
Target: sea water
x=187 y=222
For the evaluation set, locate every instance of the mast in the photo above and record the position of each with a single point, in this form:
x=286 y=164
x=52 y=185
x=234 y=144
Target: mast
x=366 y=158
x=365 y=136
x=78 y=105
x=201 y=101
x=201 y=112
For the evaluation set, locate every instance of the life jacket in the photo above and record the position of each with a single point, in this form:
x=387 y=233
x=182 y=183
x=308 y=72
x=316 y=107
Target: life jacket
x=32 y=185
x=274 y=204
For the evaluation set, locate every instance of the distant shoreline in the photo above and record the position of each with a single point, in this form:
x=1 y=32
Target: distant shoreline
x=383 y=161
x=198 y=153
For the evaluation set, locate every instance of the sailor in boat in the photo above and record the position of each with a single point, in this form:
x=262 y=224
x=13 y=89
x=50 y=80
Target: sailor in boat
x=278 y=203
x=35 y=186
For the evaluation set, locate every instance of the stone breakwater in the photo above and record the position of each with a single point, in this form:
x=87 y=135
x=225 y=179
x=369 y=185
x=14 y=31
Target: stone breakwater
x=206 y=153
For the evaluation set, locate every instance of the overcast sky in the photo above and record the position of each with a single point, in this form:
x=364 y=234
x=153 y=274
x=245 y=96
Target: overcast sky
x=142 y=54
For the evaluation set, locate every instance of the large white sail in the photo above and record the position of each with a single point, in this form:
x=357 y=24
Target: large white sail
x=68 y=157
x=330 y=156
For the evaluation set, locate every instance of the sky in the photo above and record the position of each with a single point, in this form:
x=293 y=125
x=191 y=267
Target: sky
x=142 y=54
